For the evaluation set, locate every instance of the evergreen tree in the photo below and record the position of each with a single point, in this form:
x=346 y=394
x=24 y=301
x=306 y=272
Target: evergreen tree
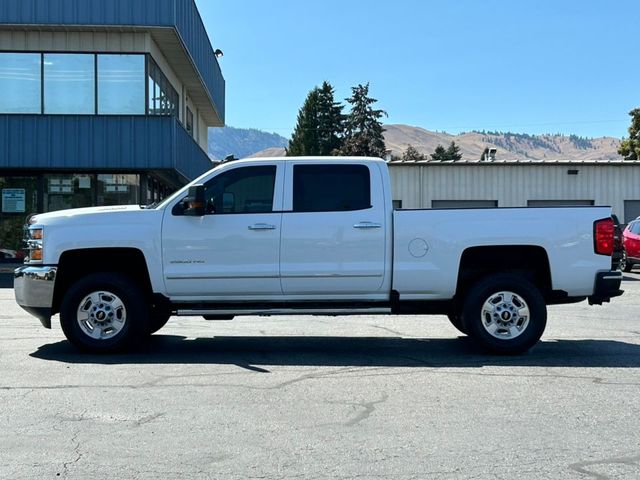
x=330 y=121
x=412 y=153
x=453 y=152
x=440 y=154
x=304 y=140
x=363 y=129
x=320 y=124
x=630 y=147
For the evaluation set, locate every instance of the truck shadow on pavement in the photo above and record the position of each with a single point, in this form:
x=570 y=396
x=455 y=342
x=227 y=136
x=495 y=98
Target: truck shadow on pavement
x=264 y=351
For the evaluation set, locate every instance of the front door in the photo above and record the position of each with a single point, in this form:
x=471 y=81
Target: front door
x=232 y=252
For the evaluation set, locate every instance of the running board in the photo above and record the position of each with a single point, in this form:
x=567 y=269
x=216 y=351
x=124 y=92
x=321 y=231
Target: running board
x=285 y=311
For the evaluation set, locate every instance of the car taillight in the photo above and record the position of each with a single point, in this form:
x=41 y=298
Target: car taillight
x=603 y=232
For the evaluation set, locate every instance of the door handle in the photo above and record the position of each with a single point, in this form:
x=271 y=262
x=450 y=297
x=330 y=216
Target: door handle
x=262 y=226
x=367 y=225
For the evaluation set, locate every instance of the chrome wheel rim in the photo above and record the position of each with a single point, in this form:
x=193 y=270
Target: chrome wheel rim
x=505 y=315
x=623 y=261
x=101 y=315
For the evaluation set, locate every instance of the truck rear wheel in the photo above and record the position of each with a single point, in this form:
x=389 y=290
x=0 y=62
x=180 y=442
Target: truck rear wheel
x=104 y=312
x=505 y=313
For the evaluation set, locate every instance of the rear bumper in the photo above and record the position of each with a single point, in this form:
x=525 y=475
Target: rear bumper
x=33 y=288
x=607 y=286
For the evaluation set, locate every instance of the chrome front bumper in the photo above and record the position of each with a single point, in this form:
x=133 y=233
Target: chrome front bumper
x=33 y=287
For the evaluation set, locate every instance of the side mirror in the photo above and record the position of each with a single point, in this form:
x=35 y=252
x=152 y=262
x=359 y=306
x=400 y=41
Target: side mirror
x=194 y=204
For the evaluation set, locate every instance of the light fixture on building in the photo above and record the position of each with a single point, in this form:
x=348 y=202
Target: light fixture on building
x=573 y=172
x=218 y=53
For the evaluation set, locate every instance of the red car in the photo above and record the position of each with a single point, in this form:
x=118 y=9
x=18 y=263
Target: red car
x=631 y=244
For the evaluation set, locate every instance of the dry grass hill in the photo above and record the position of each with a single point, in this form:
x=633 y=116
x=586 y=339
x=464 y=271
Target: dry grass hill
x=510 y=146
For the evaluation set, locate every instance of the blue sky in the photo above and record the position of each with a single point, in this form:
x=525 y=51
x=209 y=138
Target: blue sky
x=546 y=66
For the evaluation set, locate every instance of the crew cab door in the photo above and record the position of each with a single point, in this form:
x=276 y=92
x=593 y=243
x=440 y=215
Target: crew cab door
x=233 y=250
x=333 y=229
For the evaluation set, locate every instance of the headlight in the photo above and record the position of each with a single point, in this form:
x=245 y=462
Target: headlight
x=34 y=241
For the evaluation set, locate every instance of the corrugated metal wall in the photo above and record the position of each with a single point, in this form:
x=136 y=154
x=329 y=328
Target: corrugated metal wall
x=99 y=142
x=513 y=184
x=88 y=12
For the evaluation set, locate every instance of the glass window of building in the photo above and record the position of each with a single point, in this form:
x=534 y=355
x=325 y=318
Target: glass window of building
x=20 y=82
x=63 y=191
x=69 y=83
x=118 y=189
x=189 y=121
x=121 y=84
x=19 y=198
x=163 y=98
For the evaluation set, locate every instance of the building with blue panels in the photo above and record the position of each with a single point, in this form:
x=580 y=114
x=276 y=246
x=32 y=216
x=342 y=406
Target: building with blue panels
x=102 y=102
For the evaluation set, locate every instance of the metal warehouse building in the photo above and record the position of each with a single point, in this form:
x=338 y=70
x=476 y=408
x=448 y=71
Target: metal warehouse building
x=428 y=184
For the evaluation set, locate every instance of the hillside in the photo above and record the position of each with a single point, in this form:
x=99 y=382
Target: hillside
x=510 y=146
x=241 y=142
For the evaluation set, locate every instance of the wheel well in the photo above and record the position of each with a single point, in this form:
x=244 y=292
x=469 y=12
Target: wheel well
x=529 y=261
x=75 y=264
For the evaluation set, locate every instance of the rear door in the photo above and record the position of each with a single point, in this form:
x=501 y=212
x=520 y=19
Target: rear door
x=333 y=229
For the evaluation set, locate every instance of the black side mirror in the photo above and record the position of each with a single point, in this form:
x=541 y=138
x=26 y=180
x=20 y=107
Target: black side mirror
x=194 y=203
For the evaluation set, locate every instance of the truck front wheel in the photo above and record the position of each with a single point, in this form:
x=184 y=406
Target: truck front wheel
x=505 y=313
x=104 y=312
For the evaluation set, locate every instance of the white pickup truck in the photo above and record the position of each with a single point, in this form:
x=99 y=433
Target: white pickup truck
x=314 y=236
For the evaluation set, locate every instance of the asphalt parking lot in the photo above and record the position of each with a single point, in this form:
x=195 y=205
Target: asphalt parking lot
x=322 y=397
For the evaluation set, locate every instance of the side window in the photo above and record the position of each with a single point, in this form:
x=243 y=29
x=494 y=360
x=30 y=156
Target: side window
x=635 y=228
x=331 y=188
x=242 y=190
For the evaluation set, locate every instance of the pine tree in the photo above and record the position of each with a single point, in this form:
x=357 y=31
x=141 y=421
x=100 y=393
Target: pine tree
x=630 y=147
x=330 y=121
x=304 y=140
x=363 y=129
x=412 y=153
x=440 y=154
x=320 y=124
x=453 y=152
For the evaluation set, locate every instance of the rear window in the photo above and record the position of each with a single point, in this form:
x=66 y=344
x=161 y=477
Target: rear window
x=331 y=188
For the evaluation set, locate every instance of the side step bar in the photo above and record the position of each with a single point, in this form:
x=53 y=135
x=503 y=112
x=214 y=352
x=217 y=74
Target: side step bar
x=285 y=311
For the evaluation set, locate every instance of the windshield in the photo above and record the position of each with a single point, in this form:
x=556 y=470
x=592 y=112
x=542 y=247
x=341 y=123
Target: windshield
x=184 y=189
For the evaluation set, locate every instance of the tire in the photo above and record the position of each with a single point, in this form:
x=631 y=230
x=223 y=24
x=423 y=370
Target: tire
x=625 y=264
x=456 y=321
x=505 y=313
x=157 y=321
x=103 y=313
